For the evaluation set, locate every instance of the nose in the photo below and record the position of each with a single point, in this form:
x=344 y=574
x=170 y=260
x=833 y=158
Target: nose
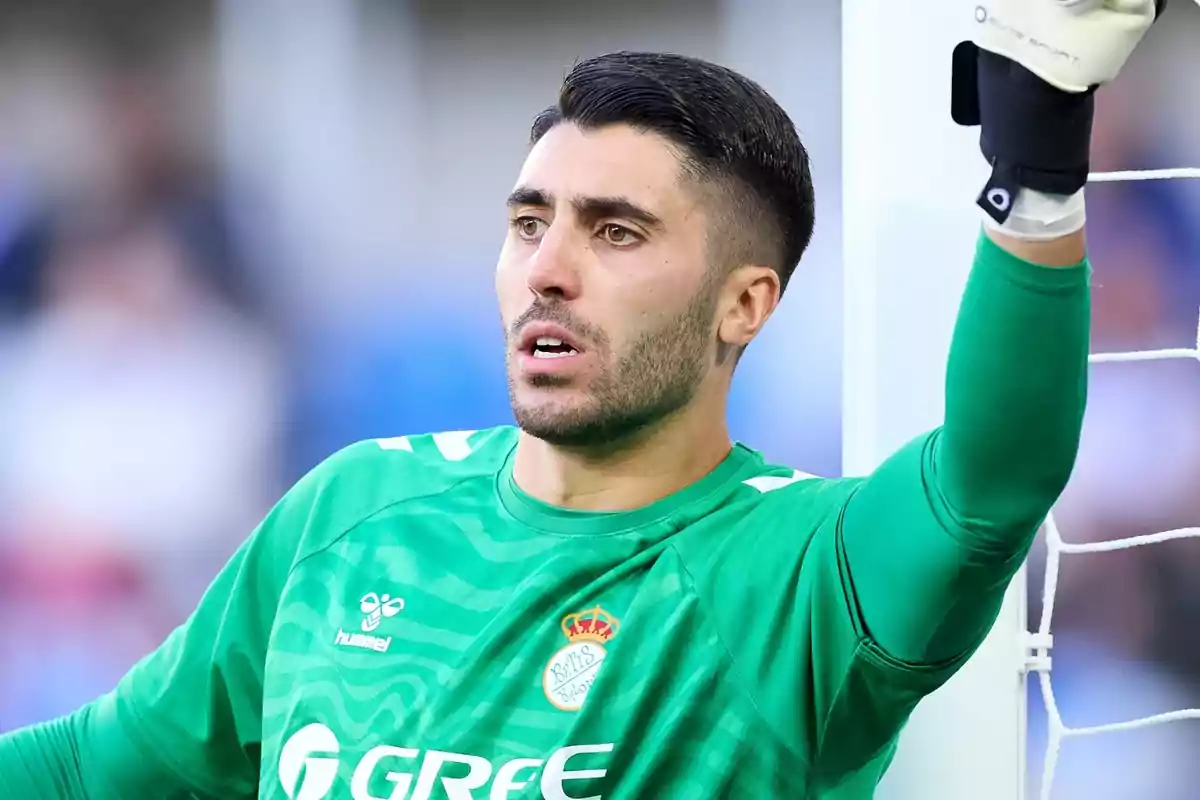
x=555 y=268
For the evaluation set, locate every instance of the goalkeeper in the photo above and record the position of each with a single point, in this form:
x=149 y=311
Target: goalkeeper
x=610 y=600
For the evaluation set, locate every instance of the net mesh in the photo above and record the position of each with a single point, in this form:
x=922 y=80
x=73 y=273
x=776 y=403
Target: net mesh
x=1041 y=641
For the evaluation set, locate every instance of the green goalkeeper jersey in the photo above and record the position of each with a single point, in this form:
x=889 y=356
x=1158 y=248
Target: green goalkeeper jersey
x=407 y=624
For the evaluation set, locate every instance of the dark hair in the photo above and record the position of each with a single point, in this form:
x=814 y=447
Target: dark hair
x=734 y=136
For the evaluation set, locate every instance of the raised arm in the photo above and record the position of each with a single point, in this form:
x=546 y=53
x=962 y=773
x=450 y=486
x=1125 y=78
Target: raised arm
x=933 y=537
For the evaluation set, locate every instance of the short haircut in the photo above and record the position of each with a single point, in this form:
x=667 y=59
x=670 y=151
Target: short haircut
x=735 y=139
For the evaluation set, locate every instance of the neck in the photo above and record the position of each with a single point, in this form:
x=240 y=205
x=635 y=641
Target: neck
x=673 y=455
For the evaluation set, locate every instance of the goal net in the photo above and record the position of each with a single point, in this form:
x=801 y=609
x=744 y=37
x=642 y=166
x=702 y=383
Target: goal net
x=1040 y=641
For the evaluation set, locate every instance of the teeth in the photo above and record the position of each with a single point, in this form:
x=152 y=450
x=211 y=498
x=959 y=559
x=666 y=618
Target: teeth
x=552 y=354
x=547 y=341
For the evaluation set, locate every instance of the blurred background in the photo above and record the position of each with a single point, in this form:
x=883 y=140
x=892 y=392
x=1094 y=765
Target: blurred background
x=235 y=238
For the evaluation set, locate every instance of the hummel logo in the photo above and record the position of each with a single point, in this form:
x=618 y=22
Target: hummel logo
x=375 y=608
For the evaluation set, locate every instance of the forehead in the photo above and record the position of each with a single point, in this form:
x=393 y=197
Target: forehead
x=614 y=161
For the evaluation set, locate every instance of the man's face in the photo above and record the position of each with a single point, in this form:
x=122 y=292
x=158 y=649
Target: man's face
x=604 y=286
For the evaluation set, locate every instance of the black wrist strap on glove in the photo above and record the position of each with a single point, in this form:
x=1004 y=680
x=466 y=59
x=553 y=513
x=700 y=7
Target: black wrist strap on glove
x=1034 y=135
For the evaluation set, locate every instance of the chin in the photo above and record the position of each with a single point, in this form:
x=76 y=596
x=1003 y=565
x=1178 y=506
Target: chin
x=580 y=425
x=546 y=417
x=566 y=432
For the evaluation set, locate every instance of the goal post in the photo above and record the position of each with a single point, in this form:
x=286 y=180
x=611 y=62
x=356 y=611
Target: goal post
x=910 y=176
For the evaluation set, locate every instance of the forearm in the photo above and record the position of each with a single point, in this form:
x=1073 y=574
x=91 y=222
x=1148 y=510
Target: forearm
x=1064 y=251
x=934 y=535
x=1016 y=386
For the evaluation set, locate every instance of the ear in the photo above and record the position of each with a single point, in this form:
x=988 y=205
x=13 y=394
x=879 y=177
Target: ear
x=750 y=296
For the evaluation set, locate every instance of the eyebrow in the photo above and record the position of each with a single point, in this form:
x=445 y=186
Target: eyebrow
x=587 y=207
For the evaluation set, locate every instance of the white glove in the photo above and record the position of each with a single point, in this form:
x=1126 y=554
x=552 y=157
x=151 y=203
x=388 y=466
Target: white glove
x=1071 y=44
x=1036 y=122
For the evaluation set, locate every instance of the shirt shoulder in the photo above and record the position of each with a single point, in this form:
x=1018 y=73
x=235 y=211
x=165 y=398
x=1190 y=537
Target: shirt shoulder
x=401 y=466
x=764 y=497
x=765 y=569
x=774 y=527
x=799 y=494
x=373 y=475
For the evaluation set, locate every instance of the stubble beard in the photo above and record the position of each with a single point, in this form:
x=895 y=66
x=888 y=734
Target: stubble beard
x=658 y=375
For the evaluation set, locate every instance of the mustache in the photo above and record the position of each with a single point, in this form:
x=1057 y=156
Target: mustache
x=558 y=314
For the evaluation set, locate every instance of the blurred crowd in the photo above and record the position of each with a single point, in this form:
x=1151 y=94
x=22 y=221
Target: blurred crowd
x=159 y=387
x=140 y=386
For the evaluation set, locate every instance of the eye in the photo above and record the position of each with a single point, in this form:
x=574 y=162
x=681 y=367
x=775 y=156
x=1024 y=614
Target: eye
x=528 y=227
x=618 y=235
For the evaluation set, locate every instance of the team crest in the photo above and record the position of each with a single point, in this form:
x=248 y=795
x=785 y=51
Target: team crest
x=571 y=671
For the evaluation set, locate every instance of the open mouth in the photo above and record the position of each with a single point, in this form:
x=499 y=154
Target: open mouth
x=546 y=342
x=550 y=347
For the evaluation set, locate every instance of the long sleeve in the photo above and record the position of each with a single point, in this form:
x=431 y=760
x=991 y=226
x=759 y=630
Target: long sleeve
x=86 y=755
x=42 y=761
x=934 y=535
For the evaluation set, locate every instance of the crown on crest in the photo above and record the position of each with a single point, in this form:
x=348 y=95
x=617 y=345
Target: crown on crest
x=594 y=625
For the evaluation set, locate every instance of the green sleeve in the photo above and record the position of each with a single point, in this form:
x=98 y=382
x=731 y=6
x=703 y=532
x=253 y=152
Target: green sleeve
x=186 y=721
x=932 y=538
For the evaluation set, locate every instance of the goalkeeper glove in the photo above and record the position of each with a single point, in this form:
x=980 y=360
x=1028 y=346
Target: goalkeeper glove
x=1028 y=79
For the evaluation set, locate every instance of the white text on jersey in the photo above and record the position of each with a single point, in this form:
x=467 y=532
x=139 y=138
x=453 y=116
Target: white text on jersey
x=309 y=759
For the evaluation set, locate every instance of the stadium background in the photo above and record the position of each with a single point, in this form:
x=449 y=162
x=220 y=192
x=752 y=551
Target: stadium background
x=235 y=237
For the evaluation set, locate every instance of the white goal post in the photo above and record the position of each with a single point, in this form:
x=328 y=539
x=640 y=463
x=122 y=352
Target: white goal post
x=910 y=176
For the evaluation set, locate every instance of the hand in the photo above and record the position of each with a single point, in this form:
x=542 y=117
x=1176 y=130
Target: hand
x=1028 y=80
x=1074 y=45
